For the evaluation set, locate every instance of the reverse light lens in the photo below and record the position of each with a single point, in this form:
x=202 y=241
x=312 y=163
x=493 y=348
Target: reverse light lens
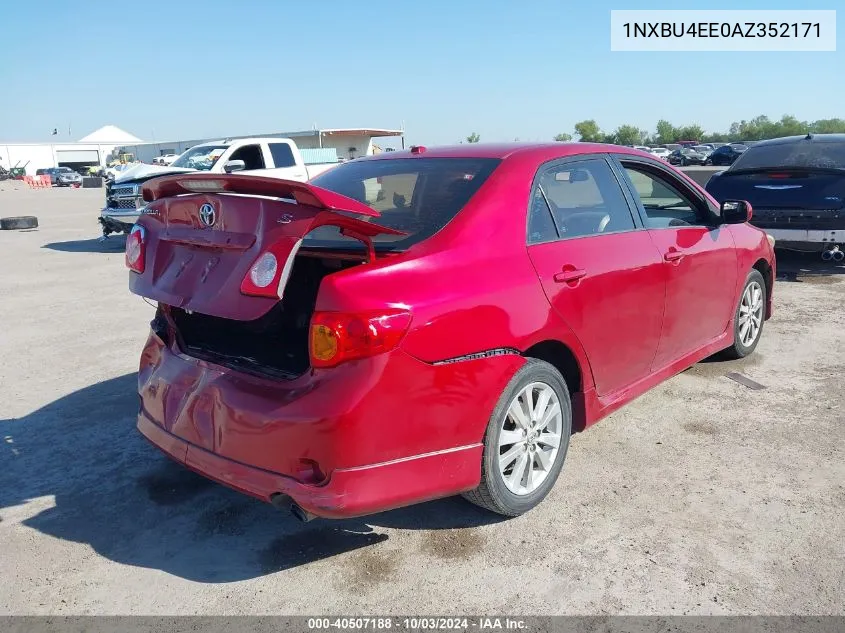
x=135 y=249
x=264 y=270
x=339 y=337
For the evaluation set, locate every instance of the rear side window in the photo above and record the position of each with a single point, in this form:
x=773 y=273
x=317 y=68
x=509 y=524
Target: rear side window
x=282 y=155
x=801 y=153
x=416 y=195
x=577 y=199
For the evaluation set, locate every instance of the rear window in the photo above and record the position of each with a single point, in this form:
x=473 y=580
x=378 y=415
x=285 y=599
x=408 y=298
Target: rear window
x=803 y=153
x=416 y=195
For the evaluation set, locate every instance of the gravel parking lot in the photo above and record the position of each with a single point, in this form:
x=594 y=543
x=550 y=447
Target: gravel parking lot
x=702 y=497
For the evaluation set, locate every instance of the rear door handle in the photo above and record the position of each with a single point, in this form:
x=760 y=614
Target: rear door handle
x=568 y=276
x=673 y=256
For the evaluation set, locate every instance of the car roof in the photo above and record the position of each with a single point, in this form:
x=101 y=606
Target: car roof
x=542 y=151
x=814 y=138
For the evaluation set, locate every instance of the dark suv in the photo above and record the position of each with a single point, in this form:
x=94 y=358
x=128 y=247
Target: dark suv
x=61 y=176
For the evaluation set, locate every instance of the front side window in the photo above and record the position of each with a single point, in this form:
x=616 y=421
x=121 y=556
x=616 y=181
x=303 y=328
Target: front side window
x=251 y=156
x=665 y=204
x=577 y=199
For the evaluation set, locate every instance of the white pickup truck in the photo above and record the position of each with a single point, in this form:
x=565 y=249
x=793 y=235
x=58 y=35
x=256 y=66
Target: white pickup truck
x=271 y=157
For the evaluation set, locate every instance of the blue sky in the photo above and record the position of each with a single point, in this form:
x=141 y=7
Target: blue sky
x=194 y=68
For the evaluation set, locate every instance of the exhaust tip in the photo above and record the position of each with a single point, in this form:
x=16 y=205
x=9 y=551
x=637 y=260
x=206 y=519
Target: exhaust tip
x=301 y=514
x=827 y=255
x=280 y=501
x=838 y=256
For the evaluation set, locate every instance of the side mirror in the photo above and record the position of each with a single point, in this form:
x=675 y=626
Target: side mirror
x=234 y=165
x=735 y=212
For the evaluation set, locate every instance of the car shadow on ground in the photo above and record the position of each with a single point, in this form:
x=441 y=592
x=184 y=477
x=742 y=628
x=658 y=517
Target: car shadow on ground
x=114 y=244
x=102 y=484
x=807 y=268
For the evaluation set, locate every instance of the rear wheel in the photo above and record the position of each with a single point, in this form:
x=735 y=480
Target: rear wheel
x=749 y=318
x=526 y=441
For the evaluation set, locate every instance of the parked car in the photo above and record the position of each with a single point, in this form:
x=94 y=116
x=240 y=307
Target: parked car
x=165 y=159
x=273 y=157
x=796 y=185
x=339 y=356
x=61 y=176
x=661 y=152
x=687 y=156
x=726 y=154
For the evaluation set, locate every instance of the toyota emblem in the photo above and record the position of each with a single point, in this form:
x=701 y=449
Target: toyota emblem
x=207 y=215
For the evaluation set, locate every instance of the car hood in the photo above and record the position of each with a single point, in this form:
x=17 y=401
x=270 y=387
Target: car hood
x=145 y=172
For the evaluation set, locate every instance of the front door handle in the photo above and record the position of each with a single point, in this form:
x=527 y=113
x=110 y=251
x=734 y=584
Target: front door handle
x=570 y=275
x=673 y=256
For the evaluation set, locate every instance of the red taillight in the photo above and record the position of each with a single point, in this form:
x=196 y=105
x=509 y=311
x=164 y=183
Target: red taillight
x=338 y=337
x=136 y=249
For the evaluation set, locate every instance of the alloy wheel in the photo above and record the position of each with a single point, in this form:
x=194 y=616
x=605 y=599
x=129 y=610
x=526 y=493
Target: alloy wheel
x=529 y=439
x=750 y=314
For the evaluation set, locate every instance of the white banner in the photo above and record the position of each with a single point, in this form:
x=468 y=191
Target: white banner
x=723 y=30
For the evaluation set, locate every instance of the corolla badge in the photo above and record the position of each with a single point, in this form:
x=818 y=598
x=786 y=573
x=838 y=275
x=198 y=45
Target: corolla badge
x=207 y=215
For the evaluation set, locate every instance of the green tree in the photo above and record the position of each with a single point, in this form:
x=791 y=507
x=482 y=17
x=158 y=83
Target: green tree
x=690 y=133
x=588 y=131
x=790 y=126
x=666 y=132
x=828 y=126
x=628 y=135
x=473 y=138
x=563 y=137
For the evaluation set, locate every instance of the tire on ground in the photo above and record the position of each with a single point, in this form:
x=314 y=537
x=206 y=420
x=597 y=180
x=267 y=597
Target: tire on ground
x=20 y=222
x=492 y=493
x=737 y=350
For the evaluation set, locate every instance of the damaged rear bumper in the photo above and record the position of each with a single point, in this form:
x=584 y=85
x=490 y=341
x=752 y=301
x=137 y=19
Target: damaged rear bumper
x=381 y=433
x=350 y=492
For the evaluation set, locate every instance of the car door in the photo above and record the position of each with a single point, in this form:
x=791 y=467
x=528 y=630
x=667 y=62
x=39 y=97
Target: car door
x=598 y=267
x=698 y=253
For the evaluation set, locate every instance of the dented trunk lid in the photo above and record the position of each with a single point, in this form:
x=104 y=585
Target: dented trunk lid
x=203 y=232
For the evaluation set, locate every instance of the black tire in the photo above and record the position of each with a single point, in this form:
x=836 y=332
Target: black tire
x=21 y=222
x=738 y=350
x=492 y=493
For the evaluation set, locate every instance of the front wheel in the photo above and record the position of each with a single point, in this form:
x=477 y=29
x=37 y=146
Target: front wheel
x=749 y=318
x=526 y=441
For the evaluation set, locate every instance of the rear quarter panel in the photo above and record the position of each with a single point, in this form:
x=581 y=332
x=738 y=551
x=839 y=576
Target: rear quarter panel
x=471 y=288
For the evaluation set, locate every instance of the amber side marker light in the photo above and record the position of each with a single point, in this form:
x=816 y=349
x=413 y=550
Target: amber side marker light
x=337 y=337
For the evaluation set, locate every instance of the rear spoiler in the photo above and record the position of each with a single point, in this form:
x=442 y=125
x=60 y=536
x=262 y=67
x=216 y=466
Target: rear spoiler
x=302 y=192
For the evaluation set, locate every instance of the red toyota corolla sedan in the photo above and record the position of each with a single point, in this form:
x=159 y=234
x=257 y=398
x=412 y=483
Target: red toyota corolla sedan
x=430 y=322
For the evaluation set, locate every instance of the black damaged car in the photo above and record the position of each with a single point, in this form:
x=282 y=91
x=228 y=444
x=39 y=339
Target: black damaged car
x=796 y=187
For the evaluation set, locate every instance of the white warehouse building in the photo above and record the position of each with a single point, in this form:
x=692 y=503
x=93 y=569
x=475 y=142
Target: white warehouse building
x=90 y=151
